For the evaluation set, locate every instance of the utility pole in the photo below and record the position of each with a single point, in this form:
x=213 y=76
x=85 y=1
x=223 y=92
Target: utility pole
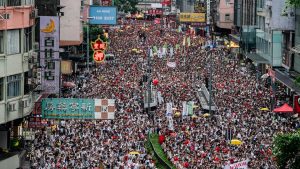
x=210 y=80
x=149 y=84
x=87 y=45
x=88 y=39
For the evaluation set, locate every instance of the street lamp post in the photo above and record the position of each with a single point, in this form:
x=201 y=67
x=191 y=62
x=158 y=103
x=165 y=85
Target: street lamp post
x=87 y=45
x=210 y=81
x=149 y=84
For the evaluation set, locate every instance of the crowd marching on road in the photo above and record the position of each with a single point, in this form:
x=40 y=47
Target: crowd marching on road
x=195 y=141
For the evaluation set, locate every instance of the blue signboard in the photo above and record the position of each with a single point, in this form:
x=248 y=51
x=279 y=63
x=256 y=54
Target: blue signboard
x=103 y=15
x=63 y=108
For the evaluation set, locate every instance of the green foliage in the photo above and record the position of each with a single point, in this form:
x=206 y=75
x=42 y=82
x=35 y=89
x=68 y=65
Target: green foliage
x=94 y=32
x=127 y=5
x=286 y=148
x=293 y=3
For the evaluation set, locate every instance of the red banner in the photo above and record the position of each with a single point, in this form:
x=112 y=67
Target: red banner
x=155 y=12
x=297 y=104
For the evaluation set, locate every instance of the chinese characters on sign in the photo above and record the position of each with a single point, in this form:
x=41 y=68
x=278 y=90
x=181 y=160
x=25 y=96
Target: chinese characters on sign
x=98 y=47
x=49 y=56
x=192 y=17
x=68 y=108
x=62 y=108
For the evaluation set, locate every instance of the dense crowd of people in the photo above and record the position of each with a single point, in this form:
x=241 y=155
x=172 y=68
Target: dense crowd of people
x=195 y=141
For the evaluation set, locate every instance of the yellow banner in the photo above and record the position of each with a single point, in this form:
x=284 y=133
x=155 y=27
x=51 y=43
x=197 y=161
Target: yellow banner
x=192 y=17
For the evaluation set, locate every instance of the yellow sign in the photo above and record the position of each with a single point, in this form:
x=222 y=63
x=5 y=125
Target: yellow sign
x=233 y=45
x=192 y=17
x=50 y=27
x=66 y=67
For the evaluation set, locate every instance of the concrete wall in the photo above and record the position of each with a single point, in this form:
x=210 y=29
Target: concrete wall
x=223 y=9
x=10 y=163
x=297 y=40
x=279 y=22
x=70 y=23
x=18 y=18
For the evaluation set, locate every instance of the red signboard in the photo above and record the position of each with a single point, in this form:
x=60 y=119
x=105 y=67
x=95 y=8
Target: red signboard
x=155 y=11
x=297 y=104
x=99 y=56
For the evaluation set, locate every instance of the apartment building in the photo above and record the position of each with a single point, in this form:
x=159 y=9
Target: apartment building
x=17 y=21
x=225 y=14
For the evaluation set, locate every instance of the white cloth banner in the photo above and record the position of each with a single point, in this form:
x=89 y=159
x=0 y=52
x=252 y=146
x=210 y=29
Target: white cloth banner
x=238 y=165
x=184 y=109
x=169 y=109
x=159 y=98
x=170 y=124
x=171 y=64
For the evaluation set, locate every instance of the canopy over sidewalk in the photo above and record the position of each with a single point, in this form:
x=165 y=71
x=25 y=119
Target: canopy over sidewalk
x=284 y=109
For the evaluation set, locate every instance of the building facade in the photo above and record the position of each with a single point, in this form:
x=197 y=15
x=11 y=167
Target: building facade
x=17 y=56
x=16 y=53
x=225 y=14
x=274 y=28
x=70 y=24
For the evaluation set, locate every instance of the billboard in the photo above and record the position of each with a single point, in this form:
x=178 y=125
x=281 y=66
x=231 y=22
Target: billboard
x=66 y=67
x=49 y=53
x=65 y=108
x=192 y=17
x=103 y=15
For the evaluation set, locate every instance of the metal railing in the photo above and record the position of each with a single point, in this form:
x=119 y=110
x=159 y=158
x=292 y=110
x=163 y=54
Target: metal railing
x=16 y=2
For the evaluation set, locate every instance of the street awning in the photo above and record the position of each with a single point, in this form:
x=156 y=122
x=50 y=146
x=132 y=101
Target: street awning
x=256 y=58
x=234 y=38
x=286 y=80
x=284 y=109
x=296 y=49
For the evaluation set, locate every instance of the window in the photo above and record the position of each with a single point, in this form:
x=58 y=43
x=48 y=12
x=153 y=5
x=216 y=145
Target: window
x=227 y=17
x=13 y=85
x=13 y=42
x=1 y=42
x=1 y=89
x=28 y=39
x=26 y=83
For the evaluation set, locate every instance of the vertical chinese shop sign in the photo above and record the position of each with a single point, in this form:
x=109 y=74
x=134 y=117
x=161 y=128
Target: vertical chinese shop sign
x=49 y=53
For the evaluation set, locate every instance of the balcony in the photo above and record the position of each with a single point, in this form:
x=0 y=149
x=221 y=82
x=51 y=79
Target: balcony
x=11 y=3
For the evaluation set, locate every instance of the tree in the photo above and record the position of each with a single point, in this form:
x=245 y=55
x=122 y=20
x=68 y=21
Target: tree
x=286 y=148
x=94 y=32
x=294 y=3
x=127 y=5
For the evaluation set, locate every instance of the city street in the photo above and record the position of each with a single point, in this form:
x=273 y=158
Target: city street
x=197 y=140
